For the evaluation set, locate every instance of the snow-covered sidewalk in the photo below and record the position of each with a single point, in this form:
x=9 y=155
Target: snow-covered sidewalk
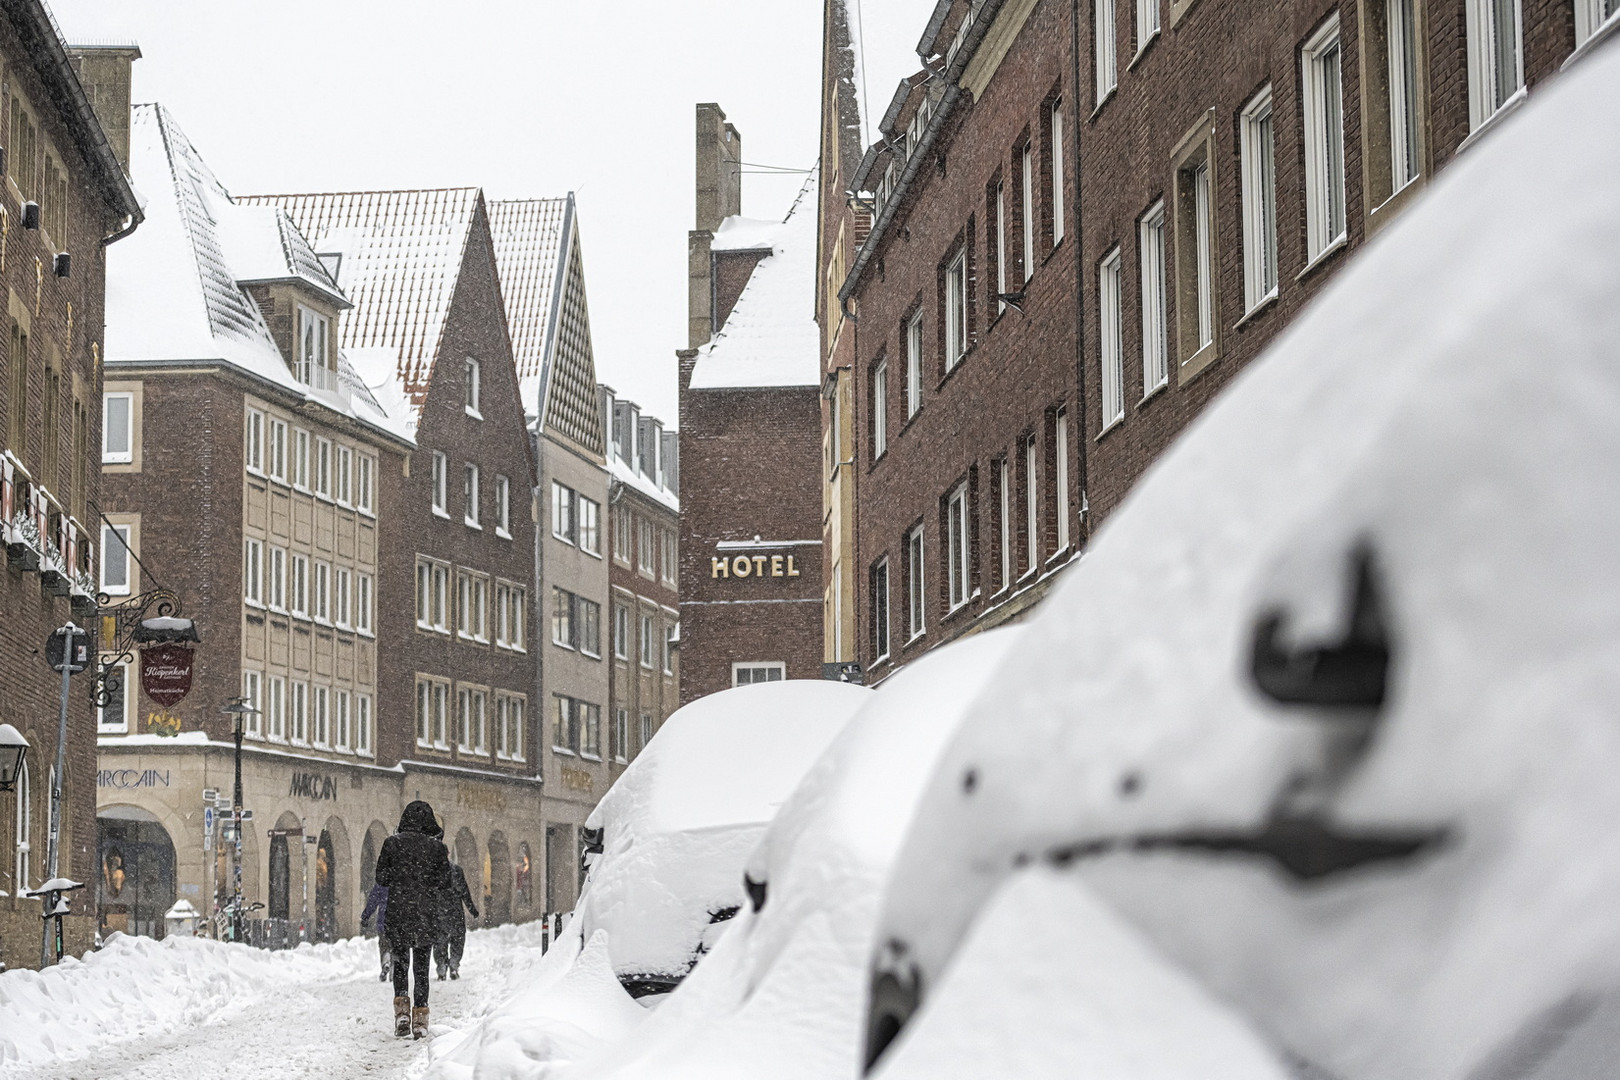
x=142 y=1008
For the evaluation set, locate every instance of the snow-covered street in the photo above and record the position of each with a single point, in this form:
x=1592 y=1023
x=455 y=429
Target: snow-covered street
x=187 y=1007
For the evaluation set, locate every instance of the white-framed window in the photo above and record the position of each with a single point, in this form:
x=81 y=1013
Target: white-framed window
x=590 y=723
x=117 y=428
x=562 y=618
x=342 y=484
x=1256 y=147
x=1155 y=313
x=672 y=555
x=621 y=535
x=1203 y=254
x=314 y=335
x=24 y=819
x=916 y=598
x=1401 y=48
x=362 y=724
x=298 y=713
x=323 y=467
x=621 y=632
x=880 y=409
x=117 y=561
x=432 y=595
x=1027 y=168
x=1105 y=61
x=341 y=732
x=746 y=673
x=1004 y=495
x=956 y=309
x=515 y=726
x=253 y=571
x=432 y=709
x=589 y=513
x=470 y=720
x=298 y=585
x=878 y=591
x=1322 y=61
x=342 y=596
x=1495 y=56
x=646 y=641
x=565 y=726
x=441 y=484
x=646 y=549
x=1001 y=245
x=275 y=708
x=362 y=603
x=253 y=693
x=621 y=734
x=113 y=717
x=276 y=464
x=469 y=494
x=1590 y=15
x=1032 y=504
x=321 y=592
x=914 y=355
x=276 y=579
x=253 y=441
x=320 y=715
x=1056 y=117
x=562 y=512
x=514 y=618
x=957 y=567
x=503 y=507
x=1147 y=23
x=473 y=386
x=298 y=466
x=646 y=728
x=670 y=635
x=1060 y=441
x=1111 y=338
x=588 y=626
x=365 y=470
x=472 y=603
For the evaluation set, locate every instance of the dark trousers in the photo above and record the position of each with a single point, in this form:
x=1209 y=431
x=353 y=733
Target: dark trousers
x=383 y=952
x=412 y=962
x=450 y=951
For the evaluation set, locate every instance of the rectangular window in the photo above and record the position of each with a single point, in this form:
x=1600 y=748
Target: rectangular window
x=298 y=469
x=253 y=571
x=441 y=484
x=1057 y=168
x=1321 y=61
x=914 y=354
x=1001 y=246
x=621 y=536
x=1060 y=439
x=469 y=494
x=253 y=442
x=432 y=713
x=511 y=605
x=343 y=479
x=591 y=733
x=470 y=720
x=671 y=635
x=314 y=367
x=1106 y=64
x=1027 y=160
x=1495 y=56
x=956 y=309
x=621 y=734
x=116 y=560
x=472 y=603
x=742 y=674
x=341 y=734
x=1032 y=504
x=562 y=618
x=1400 y=43
x=1110 y=288
x=298 y=714
x=879 y=590
x=275 y=713
x=320 y=715
x=621 y=631
x=362 y=603
x=473 y=389
x=113 y=717
x=509 y=710
x=503 y=507
x=277 y=456
x=589 y=512
x=956 y=546
x=366 y=467
x=590 y=626
x=1147 y=23
x=362 y=724
x=565 y=726
x=646 y=728
x=321 y=593
x=646 y=553
x=1257 y=151
x=880 y=401
x=1004 y=498
x=341 y=596
x=562 y=512
x=647 y=641
x=1590 y=16
x=276 y=575
x=1155 y=326
x=916 y=599
x=117 y=428
x=252 y=692
x=323 y=468
x=298 y=585
x=672 y=556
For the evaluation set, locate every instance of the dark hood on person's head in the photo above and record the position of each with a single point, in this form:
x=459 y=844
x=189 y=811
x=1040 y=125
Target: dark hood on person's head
x=418 y=817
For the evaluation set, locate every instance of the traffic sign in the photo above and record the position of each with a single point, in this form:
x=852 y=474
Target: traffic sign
x=210 y=794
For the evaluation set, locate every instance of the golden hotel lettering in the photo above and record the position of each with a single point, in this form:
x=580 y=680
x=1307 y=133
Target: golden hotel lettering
x=741 y=566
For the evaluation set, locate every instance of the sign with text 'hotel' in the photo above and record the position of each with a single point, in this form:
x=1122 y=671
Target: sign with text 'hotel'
x=742 y=566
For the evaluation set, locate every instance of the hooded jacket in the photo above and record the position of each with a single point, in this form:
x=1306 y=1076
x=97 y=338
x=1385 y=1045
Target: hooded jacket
x=414 y=866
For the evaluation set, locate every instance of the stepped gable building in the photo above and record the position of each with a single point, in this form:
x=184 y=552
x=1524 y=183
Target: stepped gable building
x=247 y=469
x=458 y=686
x=542 y=272
x=750 y=429
x=63 y=200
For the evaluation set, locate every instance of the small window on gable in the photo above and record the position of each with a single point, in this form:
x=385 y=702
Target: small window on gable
x=473 y=389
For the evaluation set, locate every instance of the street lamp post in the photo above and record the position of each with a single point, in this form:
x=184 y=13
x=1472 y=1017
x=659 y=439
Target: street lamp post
x=67 y=651
x=238 y=710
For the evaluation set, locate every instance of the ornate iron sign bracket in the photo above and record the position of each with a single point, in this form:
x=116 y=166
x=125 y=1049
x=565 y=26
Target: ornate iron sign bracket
x=119 y=630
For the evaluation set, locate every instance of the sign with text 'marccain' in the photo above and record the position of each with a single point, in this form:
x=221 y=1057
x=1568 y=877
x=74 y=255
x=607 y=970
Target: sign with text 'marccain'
x=741 y=566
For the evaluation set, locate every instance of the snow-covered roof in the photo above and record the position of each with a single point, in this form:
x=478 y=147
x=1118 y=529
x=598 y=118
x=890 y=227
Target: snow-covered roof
x=529 y=237
x=770 y=339
x=883 y=34
x=628 y=475
x=174 y=286
x=398 y=257
x=740 y=233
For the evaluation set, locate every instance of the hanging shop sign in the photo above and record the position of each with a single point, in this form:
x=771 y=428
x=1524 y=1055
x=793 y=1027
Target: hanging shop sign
x=166 y=673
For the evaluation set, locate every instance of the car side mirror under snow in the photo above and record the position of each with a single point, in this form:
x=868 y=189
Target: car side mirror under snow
x=1351 y=673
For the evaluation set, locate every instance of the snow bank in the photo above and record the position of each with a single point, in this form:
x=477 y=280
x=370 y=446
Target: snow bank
x=1451 y=404
x=137 y=986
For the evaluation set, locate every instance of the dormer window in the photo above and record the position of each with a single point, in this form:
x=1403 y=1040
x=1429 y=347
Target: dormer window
x=314 y=360
x=473 y=390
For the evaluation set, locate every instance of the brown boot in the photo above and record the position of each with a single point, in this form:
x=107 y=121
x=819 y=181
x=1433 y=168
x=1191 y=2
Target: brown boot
x=419 y=1022
x=402 y=1016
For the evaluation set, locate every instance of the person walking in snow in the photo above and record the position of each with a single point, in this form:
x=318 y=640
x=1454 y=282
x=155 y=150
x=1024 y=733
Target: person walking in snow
x=453 y=942
x=414 y=866
x=377 y=901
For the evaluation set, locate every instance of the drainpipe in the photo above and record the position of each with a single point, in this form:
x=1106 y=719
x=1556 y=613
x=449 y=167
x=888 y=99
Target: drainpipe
x=1073 y=153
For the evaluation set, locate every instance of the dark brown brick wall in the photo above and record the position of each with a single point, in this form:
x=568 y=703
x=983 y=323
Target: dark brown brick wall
x=633 y=687
x=732 y=270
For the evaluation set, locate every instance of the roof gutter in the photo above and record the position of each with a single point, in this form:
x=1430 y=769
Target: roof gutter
x=953 y=90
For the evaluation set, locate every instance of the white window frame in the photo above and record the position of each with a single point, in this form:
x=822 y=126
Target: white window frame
x=1204 y=253
x=958 y=570
x=111 y=455
x=322 y=467
x=343 y=475
x=366 y=467
x=768 y=668
x=1057 y=169
x=916 y=586
x=646 y=728
x=1590 y=18
x=621 y=632
x=252 y=693
x=1401 y=57
x=1060 y=440
x=474 y=389
x=342 y=597
x=341 y=734
x=298 y=713
x=363 y=590
x=1155 y=311
x=23 y=838
x=914 y=358
x=362 y=725
x=1001 y=245
x=1111 y=338
x=253 y=441
x=621 y=735
x=1032 y=504
x=441 y=493
x=320 y=716
x=470 y=496
x=1005 y=470
x=276 y=578
x=880 y=410
x=503 y=507
x=120 y=724
x=562 y=512
x=298 y=585
x=253 y=571
x=588 y=524
x=1148 y=23
x=956 y=309
x=321 y=592
x=882 y=630
x=645 y=640
x=276 y=449
x=1322 y=64
x=120 y=539
x=298 y=464
x=1105 y=54
x=1258 y=154
x=312 y=352
x=1488 y=92
x=275 y=712
x=1027 y=160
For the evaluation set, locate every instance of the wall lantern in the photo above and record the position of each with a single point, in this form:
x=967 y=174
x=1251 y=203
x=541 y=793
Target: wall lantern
x=12 y=748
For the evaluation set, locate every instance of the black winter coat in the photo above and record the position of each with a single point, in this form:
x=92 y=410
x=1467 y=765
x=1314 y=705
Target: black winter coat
x=458 y=896
x=414 y=866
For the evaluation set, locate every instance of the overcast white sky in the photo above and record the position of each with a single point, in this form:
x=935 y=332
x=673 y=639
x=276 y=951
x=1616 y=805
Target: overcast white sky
x=521 y=97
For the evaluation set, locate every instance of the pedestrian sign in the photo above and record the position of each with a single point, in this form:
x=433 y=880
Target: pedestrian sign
x=208 y=828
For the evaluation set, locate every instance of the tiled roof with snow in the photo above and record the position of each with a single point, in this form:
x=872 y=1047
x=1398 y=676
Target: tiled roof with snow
x=174 y=286
x=770 y=338
x=528 y=237
x=399 y=256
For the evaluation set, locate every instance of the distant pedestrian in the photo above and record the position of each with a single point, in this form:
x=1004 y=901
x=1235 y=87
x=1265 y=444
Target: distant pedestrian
x=447 y=953
x=377 y=901
x=414 y=867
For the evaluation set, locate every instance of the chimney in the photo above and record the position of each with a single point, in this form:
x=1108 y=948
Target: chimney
x=672 y=462
x=719 y=196
x=605 y=403
x=104 y=72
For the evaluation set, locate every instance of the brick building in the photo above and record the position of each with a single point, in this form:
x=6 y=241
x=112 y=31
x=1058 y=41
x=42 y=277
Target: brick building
x=63 y=199
x=458 y=681
x=750 y=430
x=1086 y=218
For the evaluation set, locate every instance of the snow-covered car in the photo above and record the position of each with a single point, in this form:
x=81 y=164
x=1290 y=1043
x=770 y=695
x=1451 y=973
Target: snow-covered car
x=1327 y=713
x=677 y=827
x=780 y=996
